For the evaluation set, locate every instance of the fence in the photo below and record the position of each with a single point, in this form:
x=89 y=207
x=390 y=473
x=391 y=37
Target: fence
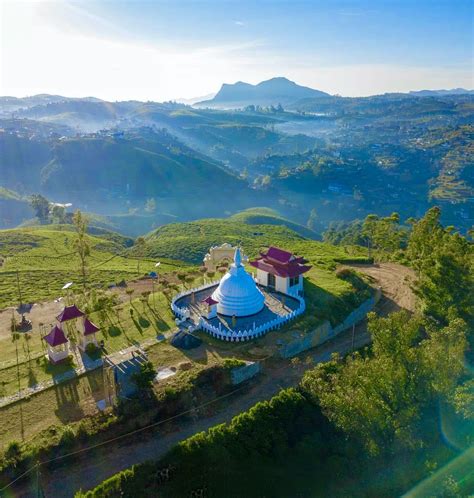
x=226 y=334
x=185 y=312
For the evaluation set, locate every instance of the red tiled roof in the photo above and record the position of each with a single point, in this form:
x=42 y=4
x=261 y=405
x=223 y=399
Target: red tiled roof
x=285 y=271
x=278 y=255
x=56 y=337
x=209 y=301
x=68 y=313
x=281 y=263
x=89 y=327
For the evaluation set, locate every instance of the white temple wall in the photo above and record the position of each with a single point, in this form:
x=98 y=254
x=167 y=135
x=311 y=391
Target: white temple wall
x=262 y=277
x=281 y=284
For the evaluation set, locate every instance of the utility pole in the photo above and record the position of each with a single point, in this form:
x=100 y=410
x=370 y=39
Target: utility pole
x=353 y=336
x=39 y=489
x=19 y=288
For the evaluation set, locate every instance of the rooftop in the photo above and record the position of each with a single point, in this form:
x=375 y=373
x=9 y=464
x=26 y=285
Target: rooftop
x=69 y=313
x=89 y=327
x=56 y=337
x=280 y=263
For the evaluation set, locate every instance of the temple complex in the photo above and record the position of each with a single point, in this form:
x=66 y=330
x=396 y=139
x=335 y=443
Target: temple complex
x=241 y=306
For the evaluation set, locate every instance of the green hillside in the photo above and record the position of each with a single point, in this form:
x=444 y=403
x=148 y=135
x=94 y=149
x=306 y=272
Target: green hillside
x=267 y=216
x=45 y=260
x=190 y=241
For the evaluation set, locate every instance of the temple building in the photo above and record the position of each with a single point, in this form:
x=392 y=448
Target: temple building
x=281 y=271
x=237 y=293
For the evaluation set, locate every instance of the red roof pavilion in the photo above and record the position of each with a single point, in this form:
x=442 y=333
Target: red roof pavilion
x=68 y=313
x=280 y=263
x=89 y=327
x=209 y=301
x=56 y=337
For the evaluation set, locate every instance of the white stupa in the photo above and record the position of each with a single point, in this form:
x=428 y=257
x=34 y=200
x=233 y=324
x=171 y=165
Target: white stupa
x=237 y=293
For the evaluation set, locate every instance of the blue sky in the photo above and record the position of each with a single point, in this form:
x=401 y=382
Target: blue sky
x=168 y=49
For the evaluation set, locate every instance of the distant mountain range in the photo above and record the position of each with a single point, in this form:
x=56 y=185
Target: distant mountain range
x=440 y=93
x=195 y=100
x=270 y=92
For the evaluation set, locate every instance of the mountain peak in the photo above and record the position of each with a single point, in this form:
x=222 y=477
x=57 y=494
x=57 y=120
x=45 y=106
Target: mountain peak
x=277 y=90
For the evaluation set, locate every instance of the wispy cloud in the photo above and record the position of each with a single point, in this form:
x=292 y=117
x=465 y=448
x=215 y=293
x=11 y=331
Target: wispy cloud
x=239 y=23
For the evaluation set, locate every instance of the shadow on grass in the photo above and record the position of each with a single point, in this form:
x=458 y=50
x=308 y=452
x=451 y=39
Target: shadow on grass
x=57 y=369
x=32 y=379
x=67 y=398
x=114 y=331
x=137 y=325
x=159 y=324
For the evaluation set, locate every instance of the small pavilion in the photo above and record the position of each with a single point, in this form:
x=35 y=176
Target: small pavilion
x=281 y=271
x=58 y=345
x=211 y=305
x=89 y=331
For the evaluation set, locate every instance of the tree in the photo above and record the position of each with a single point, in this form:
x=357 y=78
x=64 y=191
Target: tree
x=313 y=216
x=41 y=206
x=383 y=233
x=442 y=260
x=81 y=244
x=144 y=378
x=58 y=213
x=139 y=249
x=379 y=397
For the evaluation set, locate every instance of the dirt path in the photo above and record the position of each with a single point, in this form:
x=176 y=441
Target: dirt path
x=395 y=281
x=88 y=470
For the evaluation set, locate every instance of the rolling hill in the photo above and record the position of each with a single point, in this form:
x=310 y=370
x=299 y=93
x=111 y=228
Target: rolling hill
x=111 y=174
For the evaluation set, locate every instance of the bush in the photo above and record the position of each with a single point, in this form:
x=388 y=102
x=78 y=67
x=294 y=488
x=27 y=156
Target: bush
x=233 y=363
x=13 y=450
x=91 y=349
x=68 y=438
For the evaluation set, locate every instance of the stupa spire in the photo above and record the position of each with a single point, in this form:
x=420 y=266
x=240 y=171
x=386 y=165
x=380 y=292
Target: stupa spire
x=237 y=257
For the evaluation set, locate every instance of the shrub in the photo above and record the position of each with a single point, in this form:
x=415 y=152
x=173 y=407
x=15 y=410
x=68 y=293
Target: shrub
x=13 y=450
x=233 y=363
x=91 y=349
x=68 y=437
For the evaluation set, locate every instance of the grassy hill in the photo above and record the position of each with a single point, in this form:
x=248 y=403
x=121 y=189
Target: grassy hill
x=45 y=260
x=267 y=216
x=190 y=241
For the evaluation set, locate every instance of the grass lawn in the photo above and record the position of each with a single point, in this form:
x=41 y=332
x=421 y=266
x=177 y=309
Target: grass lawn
x=119 y=329
x=72 y=400
x=61 y=404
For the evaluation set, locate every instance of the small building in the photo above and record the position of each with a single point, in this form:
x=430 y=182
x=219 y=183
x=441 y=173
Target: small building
x=281 y=271
x=89 y=331
x=58 y=345
x=211 y=305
